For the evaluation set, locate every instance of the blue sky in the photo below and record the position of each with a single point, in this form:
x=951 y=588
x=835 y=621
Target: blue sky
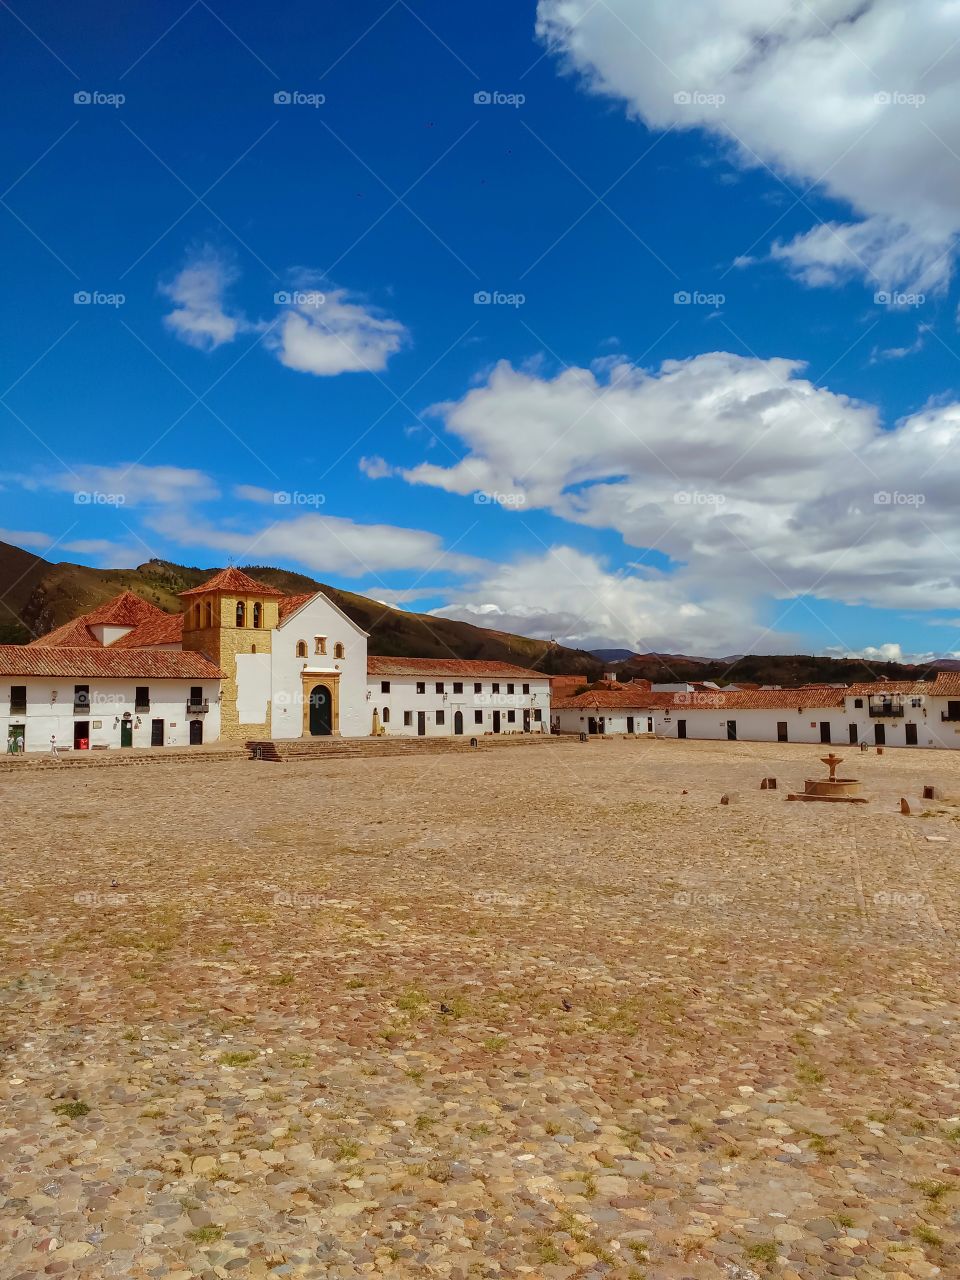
x=284 y=218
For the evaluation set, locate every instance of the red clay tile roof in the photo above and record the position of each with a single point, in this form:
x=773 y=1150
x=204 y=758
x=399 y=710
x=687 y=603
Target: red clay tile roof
x=147 y=664
x=166 y=629
x=627 y=695
x=125 y=610
x=290 y=604
x=236 y=582
x=446 y=667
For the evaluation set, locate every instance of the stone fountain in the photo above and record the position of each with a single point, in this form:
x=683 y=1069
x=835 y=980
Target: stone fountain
x=832 y=787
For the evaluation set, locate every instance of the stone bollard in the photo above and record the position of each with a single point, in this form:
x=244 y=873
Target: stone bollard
x=879 y=751
x=768 y=784
x=730 y=797
x=904 y=806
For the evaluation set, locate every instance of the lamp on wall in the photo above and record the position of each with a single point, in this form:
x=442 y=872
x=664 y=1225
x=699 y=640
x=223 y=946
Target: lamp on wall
x=53 y=696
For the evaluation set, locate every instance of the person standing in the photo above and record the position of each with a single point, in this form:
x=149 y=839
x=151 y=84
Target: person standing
x=54 y=750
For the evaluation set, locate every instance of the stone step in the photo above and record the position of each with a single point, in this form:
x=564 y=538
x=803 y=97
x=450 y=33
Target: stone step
x=283 y=750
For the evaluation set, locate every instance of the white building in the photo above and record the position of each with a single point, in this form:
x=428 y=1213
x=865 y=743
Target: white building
x=447 y=697
x=620 y=709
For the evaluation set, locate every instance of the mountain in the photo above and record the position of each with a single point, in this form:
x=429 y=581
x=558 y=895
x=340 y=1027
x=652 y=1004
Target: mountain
x=789 y=669
x=612 y=655
x=39 y=596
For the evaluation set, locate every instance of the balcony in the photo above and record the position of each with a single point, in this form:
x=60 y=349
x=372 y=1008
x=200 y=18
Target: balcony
x=885 y=707
x=81 y=707
x=141 y=706
x=197 y=708
x=952 y=716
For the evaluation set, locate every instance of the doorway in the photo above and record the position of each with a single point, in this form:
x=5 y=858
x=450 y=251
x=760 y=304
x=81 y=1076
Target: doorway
x=630 y=724
x=81 y=735
x=156 y=733
x=496 y=722
x=196 y=733
x=854 y=735
x=782 y=731
x=15 y=738
x=681 y=728
x=880 y=735
x=526 y=720
x=911 y=732
x=321 y=712
x=731 y=730
x=126 y=733
x=824 y=730
x=458 y=722
x=421 y=723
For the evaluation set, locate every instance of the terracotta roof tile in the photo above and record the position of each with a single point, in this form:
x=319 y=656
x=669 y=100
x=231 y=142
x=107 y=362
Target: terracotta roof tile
x=234 y=581
x=445 y=667
x=99 y=663
x=125 y=610
x=290 y=604
x=166 y=629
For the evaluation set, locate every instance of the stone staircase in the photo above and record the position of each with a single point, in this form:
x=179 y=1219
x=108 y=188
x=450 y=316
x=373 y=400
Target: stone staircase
x=120 y=757
x=280 y=751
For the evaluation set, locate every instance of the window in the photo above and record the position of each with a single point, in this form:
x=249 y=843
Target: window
x=301 y=648
x=241 y=614
x=478 y=687
x=526 y=688
x=253 y=648
x=510 y=688
x=916 y=702
x=495 y=688
x=386 y=715
x=421 y=686
x=196 y=698
x=18 y=700
x=384 y=686
x=408 y=718
x=478 y=717
x=458 y=686
x=81 y=697
x=142 y=699
x=511 y=717
x=338 y=650
x=440 y=717
x=538 y=715
x=858 y=702
x=320 y=644
x=439 y=686
x=257 y=614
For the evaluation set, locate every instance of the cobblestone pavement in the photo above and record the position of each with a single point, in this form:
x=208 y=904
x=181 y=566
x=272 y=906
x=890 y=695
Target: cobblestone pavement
x=532 y=1013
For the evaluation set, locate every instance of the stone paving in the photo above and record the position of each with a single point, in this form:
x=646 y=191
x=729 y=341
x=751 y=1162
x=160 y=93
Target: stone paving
x=536 y=1013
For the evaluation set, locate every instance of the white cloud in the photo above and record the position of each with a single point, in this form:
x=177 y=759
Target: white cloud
x=324 y=544
x=327 y=334
x=856 y=97
x=741 y=471
x=376 y=468
x=27 y=538
x=199 y=316
x=131 y=484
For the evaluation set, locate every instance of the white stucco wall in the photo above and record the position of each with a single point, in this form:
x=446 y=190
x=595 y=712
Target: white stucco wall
x=50 y=711
x=403 y=699
x=615 y=720
x=319 y=617
x=253 y=687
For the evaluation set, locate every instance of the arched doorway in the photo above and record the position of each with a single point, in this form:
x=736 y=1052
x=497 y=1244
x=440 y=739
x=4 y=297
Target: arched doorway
x=321 y=711
x=458 y=722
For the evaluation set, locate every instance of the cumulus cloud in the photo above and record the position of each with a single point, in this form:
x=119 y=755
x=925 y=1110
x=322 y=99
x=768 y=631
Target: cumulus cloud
x=32 y=538
x=199 y=316
x=376 y=468
x=855 y=98
x=130 y=484
x=325 y=333
x=739 y=470
x=324 y=544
